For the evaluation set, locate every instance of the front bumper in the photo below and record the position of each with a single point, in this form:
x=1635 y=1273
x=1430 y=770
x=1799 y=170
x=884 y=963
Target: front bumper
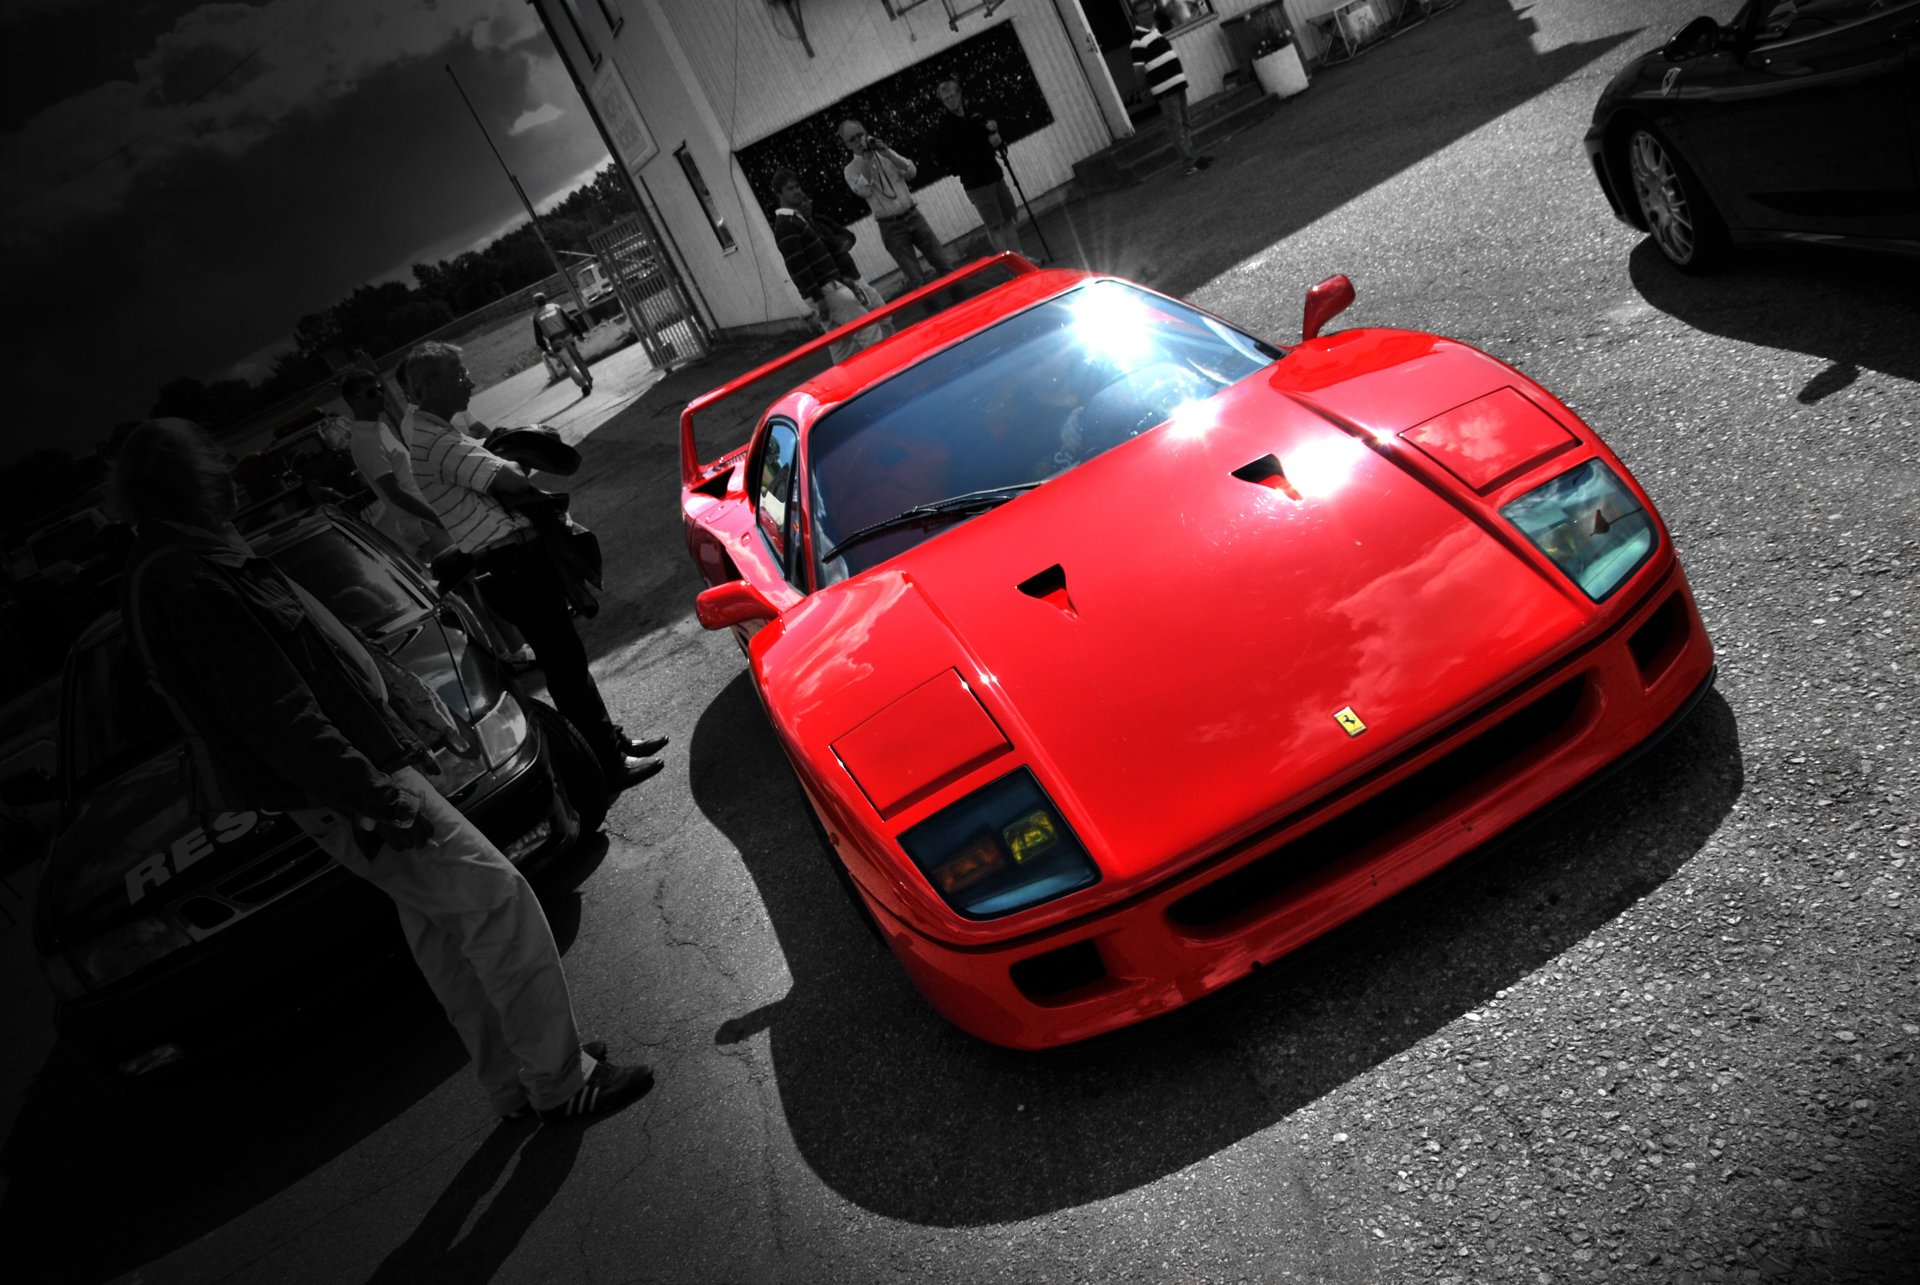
x=1244 y=908
x=1612 y=185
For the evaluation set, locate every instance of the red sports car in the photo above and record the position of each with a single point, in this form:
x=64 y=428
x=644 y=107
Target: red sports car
x=1120 y=652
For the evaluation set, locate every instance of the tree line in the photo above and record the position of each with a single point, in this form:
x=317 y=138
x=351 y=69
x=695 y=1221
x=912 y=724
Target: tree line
x=376 y=318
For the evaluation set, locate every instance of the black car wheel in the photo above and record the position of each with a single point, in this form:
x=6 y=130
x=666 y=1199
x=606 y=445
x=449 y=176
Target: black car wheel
x=1679 y=217
x=575 y=767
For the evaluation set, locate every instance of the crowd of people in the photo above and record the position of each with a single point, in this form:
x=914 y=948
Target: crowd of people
x=287 y=710
x=968 y=144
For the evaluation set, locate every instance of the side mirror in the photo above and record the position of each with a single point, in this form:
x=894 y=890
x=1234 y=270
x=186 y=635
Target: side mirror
x=733 y=603
x=1701 y=36
x=1325 y=302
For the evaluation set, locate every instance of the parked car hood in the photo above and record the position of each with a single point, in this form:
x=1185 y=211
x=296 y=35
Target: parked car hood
x=1185 y=636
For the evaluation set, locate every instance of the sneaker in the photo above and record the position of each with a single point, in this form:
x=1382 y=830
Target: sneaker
x=607 y=1089
x=595 y=1049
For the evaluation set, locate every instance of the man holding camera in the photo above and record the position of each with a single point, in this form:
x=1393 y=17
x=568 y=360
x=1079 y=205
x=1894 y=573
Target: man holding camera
x=880 y=175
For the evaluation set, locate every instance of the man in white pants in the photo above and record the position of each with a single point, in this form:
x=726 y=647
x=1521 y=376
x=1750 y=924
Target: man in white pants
x=285 y=711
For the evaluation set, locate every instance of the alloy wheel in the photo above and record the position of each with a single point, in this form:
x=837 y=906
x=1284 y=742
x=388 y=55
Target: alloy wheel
x=1662 y=196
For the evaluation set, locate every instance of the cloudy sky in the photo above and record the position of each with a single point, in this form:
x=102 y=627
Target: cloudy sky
x=180 y=182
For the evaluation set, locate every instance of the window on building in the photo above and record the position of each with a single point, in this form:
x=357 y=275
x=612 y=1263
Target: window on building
x=691 y=168
x=611 y=10
x=572 y=9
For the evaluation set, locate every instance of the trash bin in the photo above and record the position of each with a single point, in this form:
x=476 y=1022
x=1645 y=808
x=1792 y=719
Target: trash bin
x=1281 y=72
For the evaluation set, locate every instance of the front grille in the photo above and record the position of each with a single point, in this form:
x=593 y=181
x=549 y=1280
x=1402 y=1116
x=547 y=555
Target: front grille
x=1250 y=890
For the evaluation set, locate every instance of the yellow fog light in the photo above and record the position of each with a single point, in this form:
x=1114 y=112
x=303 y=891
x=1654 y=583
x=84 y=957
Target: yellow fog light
x=1031 y=835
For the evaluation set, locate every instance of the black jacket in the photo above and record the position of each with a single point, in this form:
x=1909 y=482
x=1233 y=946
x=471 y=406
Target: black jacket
x=286 y=722
x=811 y=248
x=961 y=143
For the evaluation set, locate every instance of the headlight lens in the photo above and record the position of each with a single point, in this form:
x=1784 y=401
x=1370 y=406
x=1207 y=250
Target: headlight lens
x=1590 y=524
x=1003 y=848
x=126 y=950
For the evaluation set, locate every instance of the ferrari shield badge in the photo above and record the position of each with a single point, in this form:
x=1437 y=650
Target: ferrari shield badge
x=1349 y=721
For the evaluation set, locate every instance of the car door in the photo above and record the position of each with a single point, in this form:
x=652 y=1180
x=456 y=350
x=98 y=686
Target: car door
x=1808 y=123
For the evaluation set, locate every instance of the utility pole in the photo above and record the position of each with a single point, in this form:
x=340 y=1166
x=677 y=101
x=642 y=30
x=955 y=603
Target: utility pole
x=573 y=289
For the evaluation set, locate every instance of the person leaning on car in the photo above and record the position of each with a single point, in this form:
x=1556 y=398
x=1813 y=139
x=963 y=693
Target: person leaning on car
x=466 y=484
x=286 y=710
x=398 y=510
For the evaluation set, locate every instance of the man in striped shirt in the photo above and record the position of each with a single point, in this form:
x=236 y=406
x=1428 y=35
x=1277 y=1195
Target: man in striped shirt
x=1160 y=70
x=465 y=483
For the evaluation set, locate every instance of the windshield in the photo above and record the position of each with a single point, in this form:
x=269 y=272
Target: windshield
x=113 y=716
x=355 y=583
x=1038 y=394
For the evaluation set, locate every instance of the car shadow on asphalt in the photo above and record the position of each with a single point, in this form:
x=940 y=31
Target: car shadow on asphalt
x=1852 y=310
x=907 y=1117
x=177 y=1161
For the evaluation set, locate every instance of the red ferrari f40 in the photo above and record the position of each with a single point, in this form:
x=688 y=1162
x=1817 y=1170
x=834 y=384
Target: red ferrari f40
x=1120 y=652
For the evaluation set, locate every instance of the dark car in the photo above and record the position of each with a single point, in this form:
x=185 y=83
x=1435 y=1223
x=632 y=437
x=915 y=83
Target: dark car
x=164 y=935
x=1797 y=121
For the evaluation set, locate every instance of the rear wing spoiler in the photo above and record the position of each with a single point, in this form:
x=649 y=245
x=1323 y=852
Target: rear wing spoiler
x=693 y=473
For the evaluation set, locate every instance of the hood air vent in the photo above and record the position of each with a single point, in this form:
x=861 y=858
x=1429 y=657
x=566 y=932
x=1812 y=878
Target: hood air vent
x=1050 y=586
x=1266 y=471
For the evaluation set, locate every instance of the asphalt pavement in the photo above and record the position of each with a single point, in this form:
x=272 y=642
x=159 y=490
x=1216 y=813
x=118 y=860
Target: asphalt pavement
x=1666 y=1033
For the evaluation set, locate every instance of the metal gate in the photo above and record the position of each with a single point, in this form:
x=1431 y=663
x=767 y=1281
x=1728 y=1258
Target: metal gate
x=655 y=299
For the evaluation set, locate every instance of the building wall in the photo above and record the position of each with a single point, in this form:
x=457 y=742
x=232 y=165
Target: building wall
x=715 y=75
x=1208 y=56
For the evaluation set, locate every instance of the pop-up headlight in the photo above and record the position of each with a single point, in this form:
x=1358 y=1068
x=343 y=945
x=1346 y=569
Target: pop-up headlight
x=1003 y=848
x=1590 y=524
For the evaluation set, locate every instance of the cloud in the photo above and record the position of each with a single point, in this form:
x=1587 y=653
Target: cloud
x=263 y=204
x=534 y=119
x=226 y=76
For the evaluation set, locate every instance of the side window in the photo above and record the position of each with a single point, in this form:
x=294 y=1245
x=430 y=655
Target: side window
x=1792 y=19
x=773 y=490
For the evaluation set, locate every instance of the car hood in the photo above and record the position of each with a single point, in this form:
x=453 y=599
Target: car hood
x=133 y=847
x=1185 y=636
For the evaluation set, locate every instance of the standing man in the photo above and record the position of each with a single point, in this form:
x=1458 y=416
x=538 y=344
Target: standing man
x=1166 y=80
x=969 y=146
x=466 y=484
x=879 y=175
x=398 y=510
x=287 y=711
x=556 y=334
x=822 y=270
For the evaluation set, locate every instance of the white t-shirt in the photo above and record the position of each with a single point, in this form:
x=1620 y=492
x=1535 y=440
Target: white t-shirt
x=377 y=453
